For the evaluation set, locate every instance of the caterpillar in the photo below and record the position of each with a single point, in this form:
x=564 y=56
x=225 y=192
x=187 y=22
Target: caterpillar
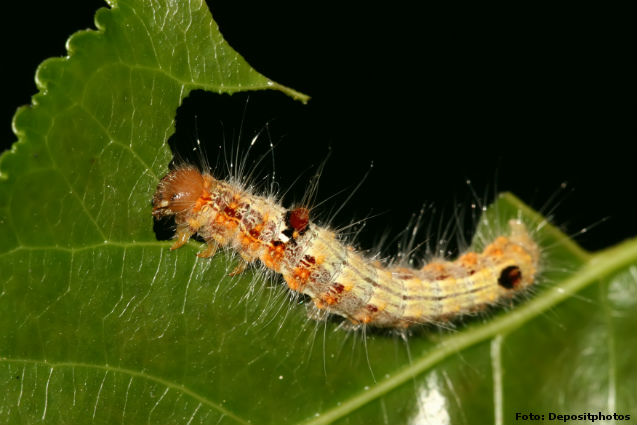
x=339 y=279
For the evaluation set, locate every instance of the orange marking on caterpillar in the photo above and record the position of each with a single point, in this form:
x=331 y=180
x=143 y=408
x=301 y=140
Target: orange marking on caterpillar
x=469 y=259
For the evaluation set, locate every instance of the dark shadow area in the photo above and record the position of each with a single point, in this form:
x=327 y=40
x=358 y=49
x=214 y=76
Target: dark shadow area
x=260 y=132
x=164 y=228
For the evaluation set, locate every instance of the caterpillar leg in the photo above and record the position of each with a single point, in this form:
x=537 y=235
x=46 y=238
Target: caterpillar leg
x=351 y=325
x=243 y=264
x=239 y=269
x=209 y=251
x=315 y=313
x=184 y=232
x=321 y=314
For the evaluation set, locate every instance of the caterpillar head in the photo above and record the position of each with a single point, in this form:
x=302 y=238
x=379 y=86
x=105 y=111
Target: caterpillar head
x=178 y=192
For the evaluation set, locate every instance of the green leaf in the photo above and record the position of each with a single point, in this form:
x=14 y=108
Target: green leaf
x=101 y=323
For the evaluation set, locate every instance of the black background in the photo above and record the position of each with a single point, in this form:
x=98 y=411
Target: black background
x=512 y=97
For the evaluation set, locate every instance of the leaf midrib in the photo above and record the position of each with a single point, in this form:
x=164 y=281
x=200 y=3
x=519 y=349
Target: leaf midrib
x=80 y=248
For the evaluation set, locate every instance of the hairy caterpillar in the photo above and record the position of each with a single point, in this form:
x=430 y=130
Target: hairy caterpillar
x=340 y=280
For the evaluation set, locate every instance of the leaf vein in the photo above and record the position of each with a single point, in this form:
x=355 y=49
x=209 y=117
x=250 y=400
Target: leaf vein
x=133 y=373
